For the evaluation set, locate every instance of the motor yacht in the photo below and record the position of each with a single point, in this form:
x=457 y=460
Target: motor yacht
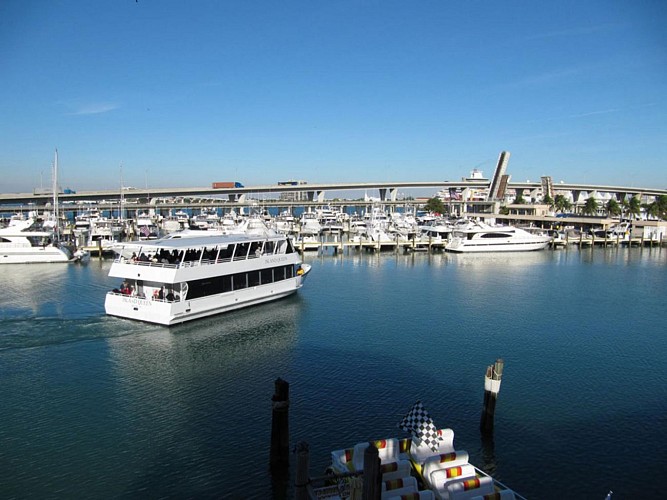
x=477 y=236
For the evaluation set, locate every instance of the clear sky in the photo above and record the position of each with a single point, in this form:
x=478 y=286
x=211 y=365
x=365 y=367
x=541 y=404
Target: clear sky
x=183 y=93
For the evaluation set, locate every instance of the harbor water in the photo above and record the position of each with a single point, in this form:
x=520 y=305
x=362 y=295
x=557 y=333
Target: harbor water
x=102 y=407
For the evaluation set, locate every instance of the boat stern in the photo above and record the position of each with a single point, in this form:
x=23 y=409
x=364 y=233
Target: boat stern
x=140 y=308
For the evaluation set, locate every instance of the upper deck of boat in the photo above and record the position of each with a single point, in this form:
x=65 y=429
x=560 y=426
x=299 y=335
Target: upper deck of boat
x=176 y=242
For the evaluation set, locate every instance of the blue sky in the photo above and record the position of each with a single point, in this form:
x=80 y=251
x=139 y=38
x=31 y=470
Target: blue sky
x=183 y=93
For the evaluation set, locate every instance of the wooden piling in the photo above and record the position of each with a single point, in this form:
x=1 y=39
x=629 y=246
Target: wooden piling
x=492 y=379
x=280 y=423
x=372 y=488
x=302 y=476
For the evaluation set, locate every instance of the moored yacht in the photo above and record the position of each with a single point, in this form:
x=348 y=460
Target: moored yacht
x=620 y=232
x=478 y=236
x=22 y=242
x=176 y=279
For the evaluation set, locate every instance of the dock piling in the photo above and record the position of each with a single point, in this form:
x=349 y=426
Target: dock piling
x=372 y=488
x=280 y=424
x=301 y=479
x=492 y=379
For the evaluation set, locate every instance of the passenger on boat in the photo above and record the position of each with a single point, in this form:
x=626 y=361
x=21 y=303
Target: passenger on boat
x=125 y=288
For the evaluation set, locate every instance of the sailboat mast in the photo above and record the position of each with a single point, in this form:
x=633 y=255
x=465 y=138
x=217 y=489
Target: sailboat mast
x=56 y=213
x=121 y=193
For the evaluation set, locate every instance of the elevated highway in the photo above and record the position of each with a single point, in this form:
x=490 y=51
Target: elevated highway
x=387 y=191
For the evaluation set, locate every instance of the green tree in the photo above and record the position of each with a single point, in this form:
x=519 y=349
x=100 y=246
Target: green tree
x=658 y=208
x=435 y=205
x=548 y=200
x=591 y=206
x=613 y=208
x=653 y=210
x=518 y=200
x=634 y=206
x=562 y=204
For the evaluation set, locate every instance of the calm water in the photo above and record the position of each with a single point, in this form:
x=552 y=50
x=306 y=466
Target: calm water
x=100 y=407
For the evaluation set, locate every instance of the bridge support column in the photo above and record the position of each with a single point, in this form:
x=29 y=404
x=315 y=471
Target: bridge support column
x=317 y=196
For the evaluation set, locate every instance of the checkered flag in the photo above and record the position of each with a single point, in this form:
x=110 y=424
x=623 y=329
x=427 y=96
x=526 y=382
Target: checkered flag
x=419 y=423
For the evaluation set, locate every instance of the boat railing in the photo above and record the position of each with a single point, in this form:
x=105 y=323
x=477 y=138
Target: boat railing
x=187 y=263
x=142 y=296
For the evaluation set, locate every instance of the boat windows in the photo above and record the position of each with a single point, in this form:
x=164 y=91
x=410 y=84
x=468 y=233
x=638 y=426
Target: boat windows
x=496 y=235
x=240 y=281
x=226 y=284
x=241 y=251
x=269 y=248
x=255 y=249
x=226 y=252
x=253 y=278
x=222 y=284
x=266 y=276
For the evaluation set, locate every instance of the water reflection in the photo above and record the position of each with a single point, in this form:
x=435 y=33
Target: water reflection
x=237 y=338
x=33 y=289
x=483 y=261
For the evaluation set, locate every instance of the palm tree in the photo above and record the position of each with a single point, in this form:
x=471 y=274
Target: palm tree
x=634 y=206
x=661 y=203
x=562 y=203
x=591 y=206
x=658 y=208
x=613 y=208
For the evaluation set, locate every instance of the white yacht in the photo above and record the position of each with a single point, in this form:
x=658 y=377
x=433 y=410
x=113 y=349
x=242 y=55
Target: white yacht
x=146 y=227
x=309 y=224
x=617 y=232
x=22 y=243
x=104 y=234
x=480 y=237
x=176 y=279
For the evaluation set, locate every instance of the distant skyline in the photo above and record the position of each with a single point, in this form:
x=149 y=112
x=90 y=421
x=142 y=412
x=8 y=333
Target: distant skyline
x=187 y=93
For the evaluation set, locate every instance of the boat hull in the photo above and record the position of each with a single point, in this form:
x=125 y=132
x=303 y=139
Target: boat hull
x=171 y=313
x=496 y=246
x=33 y=255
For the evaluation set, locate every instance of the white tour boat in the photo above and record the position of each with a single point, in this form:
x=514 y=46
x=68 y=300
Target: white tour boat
x=22 y=242
x=481 y=237
x=184 y=277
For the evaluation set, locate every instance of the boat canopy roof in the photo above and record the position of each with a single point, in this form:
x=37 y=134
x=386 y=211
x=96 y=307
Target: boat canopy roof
x=174 y=242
